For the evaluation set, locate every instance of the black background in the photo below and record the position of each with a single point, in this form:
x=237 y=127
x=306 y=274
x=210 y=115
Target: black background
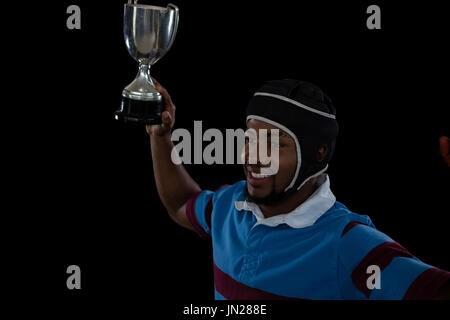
x=82 y=183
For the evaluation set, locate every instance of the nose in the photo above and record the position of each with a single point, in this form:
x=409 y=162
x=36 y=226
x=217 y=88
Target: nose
x=251 y=156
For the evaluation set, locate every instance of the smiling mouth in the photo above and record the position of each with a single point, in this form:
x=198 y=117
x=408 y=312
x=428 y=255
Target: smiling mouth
x=257 y=178
x=259 y=175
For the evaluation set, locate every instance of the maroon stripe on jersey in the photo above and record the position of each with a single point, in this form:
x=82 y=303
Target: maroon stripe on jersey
x=234 y=290
x=349 y=226
x=427 y=284
x=380 y=256
x=190 y=213
x=208 y=213
x=224 y=185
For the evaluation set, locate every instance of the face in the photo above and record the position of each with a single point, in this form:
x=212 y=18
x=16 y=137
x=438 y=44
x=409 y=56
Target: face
x=260 y=187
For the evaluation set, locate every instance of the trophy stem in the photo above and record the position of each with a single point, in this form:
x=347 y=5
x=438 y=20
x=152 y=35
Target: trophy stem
x=144 y=72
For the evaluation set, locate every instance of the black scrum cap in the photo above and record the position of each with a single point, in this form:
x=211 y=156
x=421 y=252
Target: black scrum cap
x=307 y=114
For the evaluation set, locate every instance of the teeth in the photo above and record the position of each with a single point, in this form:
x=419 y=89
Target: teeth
x=259 y=175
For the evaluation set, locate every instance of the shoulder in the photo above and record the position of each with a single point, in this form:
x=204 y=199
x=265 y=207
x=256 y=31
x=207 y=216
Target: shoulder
x=354 y=233
x=342 y=220
x=229 y=193
x=354 y=227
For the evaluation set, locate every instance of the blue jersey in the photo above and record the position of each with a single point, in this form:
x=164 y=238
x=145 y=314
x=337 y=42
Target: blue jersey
x=309 y=254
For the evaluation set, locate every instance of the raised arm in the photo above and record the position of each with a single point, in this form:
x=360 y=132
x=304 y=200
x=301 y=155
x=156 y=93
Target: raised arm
x=175 y=186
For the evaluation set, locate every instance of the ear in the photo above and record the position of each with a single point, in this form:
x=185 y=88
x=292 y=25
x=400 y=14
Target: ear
x=323 y=150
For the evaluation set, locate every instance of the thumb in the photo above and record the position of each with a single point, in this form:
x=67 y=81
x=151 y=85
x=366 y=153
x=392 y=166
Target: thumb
x=166 y=120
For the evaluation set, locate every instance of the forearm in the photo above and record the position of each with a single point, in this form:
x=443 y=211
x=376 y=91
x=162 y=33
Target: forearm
x=174 y=184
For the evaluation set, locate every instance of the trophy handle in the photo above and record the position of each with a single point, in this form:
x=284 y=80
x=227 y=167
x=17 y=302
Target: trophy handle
x=175 y=27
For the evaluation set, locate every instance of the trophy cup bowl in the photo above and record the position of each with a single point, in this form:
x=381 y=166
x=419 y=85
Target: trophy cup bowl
x=149 y=33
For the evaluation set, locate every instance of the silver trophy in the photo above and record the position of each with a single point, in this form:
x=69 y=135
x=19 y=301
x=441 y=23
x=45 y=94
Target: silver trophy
x=149 y=33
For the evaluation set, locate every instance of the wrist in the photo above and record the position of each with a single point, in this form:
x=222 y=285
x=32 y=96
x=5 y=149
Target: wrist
x=165 y=137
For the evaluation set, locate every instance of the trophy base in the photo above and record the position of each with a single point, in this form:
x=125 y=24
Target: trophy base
x=139 y=111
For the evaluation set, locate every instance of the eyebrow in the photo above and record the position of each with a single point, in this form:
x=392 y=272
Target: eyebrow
x=281 y=133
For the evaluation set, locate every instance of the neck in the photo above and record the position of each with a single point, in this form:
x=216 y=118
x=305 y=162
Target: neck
x=293 y=200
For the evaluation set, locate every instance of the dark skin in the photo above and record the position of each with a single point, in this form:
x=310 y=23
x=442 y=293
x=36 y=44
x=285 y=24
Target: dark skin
x=175 y=186
x=287 y=165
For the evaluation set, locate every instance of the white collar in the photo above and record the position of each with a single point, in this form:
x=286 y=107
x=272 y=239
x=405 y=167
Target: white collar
x=304 y=215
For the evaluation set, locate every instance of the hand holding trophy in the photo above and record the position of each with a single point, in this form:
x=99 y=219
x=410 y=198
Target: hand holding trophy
x=149 y=33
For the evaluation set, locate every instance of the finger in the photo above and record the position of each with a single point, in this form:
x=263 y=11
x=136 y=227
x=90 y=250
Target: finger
x=166 y=97
x=148 y=128
x=158 y=86
x=166 y=120
x=168 y=104
x=156 y=82
x=162 y=90
x=166 y=117
x=167 y=100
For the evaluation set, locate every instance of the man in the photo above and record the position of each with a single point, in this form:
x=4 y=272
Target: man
x=284 y=235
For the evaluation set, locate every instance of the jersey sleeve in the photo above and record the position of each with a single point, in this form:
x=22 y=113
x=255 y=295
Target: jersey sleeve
x=373 y=266
x=199 y=210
